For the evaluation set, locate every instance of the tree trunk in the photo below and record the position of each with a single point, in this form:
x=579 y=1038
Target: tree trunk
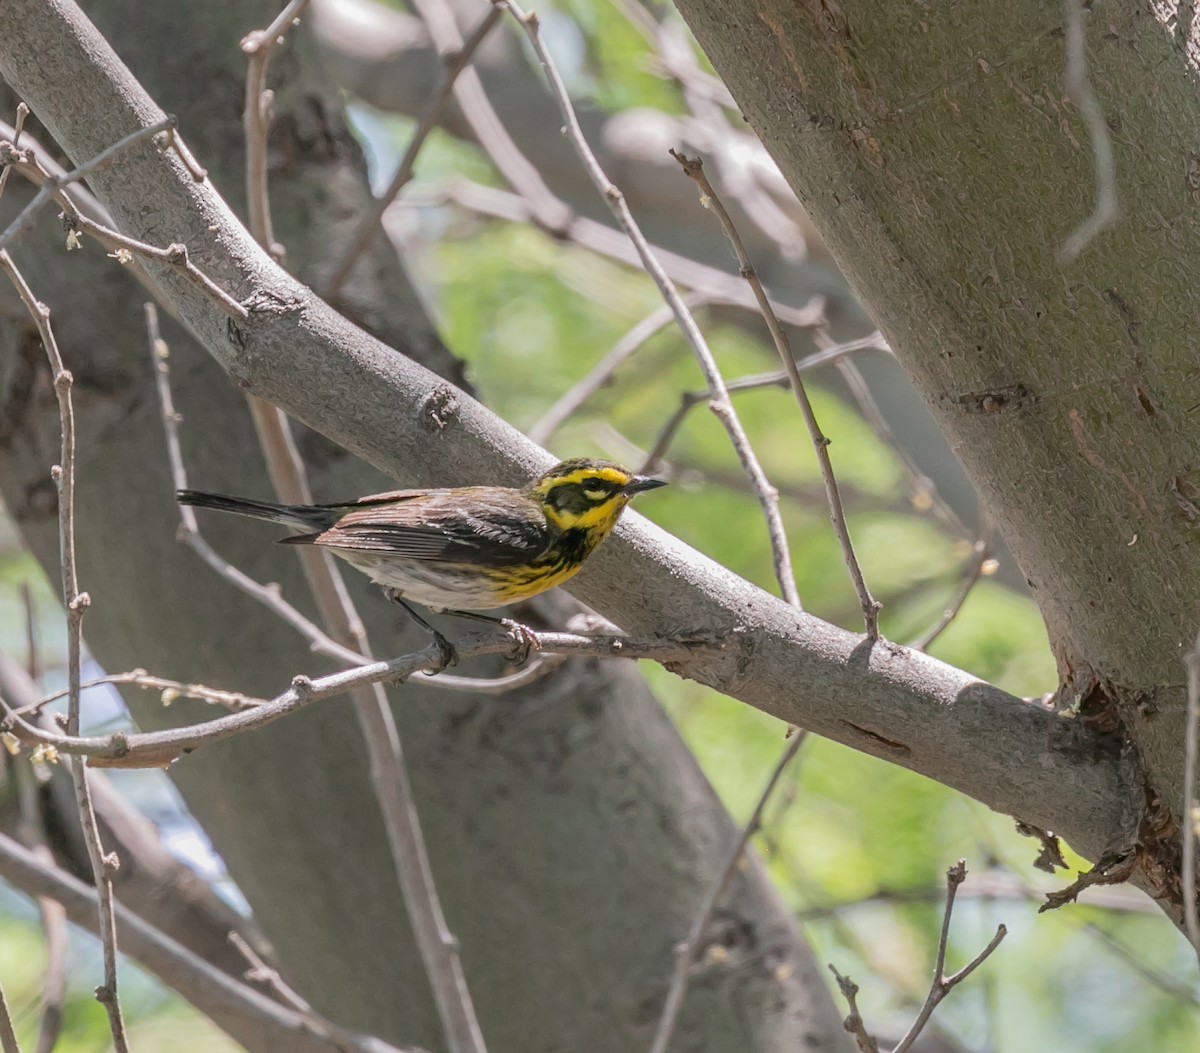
x=571 y=833
x=935 y=149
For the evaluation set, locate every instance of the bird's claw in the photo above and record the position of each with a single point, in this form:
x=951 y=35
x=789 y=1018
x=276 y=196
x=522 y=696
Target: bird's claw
x=447 y=655
x=524 y=638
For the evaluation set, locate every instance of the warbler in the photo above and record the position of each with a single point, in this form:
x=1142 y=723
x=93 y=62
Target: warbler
x=469 y=548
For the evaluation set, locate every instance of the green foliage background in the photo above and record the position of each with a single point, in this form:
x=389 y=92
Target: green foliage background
x=859 y=848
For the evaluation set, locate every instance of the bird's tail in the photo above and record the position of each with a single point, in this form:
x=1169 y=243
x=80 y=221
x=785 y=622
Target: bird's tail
x=300 y=517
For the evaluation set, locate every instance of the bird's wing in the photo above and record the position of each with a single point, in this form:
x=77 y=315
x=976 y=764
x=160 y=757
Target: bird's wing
x=471 y=525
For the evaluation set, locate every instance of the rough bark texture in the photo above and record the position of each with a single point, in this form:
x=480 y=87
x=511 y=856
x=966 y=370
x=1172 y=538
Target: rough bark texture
x=935 y=149
x=571 y=833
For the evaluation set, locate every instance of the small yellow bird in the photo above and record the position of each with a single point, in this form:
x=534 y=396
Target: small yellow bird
x=468 y=548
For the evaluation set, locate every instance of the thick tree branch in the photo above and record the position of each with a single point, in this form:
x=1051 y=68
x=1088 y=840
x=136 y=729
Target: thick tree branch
x=1066 y=390
x=1017 y=757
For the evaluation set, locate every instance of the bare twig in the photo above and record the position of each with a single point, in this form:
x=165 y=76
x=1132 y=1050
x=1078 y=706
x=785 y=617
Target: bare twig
x=943 y=984
x=693 y=168
x=1165 y=982
x=600 y=238
x=159 y=748
x=713 y=133
x=686 y=952
x=124 y=247
x=485 y=123
x=992 y=885
x=76 y=602
x=18 y=127
x=923 y=492
x=33 y=652
x=1191 y=815
x=256 y=120
x=171 y=689
x=453 y=64
x=8 y=1035
x=260 y=972
x=720 y=403
x=174 y=255
x=53 y=184
x=32 y=831
x=979 y=565
x=688 y=400
x=854 y=1024
x=1104 y=212
x=600 y=374
x=1112 y=868
x=233 y=1006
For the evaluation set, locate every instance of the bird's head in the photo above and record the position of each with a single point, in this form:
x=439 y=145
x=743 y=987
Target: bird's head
x=588 y=495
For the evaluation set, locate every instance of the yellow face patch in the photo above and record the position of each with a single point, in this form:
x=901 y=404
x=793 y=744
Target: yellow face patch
x=582 y=476
x=587 y=496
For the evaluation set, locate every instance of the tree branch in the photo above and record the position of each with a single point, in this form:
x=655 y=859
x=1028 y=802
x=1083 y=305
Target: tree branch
x=156 y=749
x=1017 y=757
x=76 y=603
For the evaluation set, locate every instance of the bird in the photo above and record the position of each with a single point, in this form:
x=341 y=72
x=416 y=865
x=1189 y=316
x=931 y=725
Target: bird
x=466 y=549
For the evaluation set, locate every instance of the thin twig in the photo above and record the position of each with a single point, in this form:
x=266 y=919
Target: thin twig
x=943 y=984
x=711 y=125
x=600 y=238
x=979 y=566
x=155 y=749
x=76 y=602
x=1165 y=982
x=171 y=689
x=693 y=168
x=1104 y=212
x=601 y=373
x=236 y=1008
x=8 y=1035
x=259 y=971
x=993 y=885
x=688 y=400
x=53 y=184
x=854 y=1023
x=1191 y=815
x=720 y=403
x=369 y=225
x=686 y=952
x=485 y=123
x=18 y=127
x=124 y=247
x=33 y=652
x=258 y=47
x=32 y=831
x=923 y=492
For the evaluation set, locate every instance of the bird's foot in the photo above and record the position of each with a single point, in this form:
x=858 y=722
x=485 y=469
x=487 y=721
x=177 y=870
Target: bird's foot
x=447 y=655
x=525 y=640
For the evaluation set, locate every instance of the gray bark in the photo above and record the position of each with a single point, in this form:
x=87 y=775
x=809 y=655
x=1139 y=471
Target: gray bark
x=571 y=833
x=935 y=150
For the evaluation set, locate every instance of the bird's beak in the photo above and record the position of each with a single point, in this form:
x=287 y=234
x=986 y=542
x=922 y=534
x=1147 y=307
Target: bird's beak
x=640 y=483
